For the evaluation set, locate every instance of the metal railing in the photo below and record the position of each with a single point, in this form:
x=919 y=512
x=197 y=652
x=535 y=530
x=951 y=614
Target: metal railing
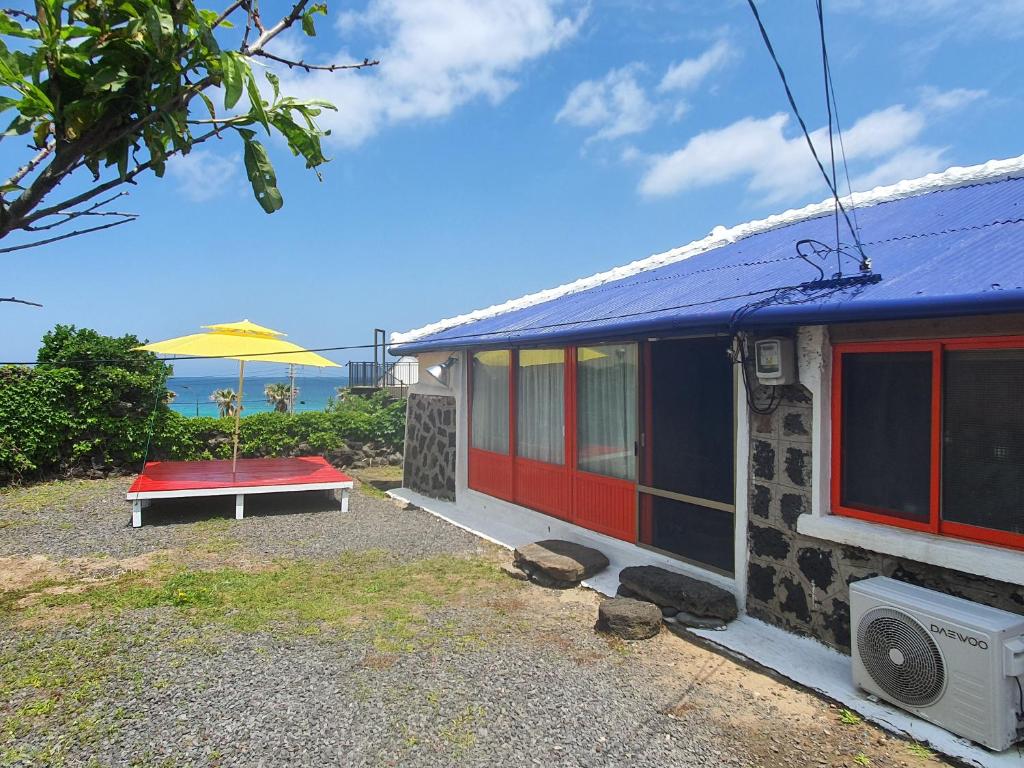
x=395 y=377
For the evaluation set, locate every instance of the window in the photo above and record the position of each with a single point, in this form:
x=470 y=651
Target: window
x=930 y=436
x=983 y=439
x=540 y=405
x=490 y=400
x=886 y=450
x=606 y=410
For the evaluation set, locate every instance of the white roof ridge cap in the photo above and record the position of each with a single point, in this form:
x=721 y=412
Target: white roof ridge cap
x=956 y=176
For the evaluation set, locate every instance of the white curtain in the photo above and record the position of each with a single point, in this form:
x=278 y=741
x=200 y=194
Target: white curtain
x=606 y=402
x=540 y=405
x=490 y=400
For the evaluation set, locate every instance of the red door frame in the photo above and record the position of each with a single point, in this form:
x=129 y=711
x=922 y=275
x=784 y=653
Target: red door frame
x=935 y=523
x=600 y=503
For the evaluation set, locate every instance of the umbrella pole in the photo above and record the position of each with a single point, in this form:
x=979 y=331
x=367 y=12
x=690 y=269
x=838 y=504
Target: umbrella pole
x=238 y=412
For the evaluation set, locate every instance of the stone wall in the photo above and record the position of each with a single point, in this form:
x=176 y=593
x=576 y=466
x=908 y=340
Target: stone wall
x=430 y=434
x=801 y=583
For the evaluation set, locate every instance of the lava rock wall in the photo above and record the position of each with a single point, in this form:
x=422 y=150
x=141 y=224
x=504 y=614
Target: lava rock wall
x=430 y=439
x=803 y=584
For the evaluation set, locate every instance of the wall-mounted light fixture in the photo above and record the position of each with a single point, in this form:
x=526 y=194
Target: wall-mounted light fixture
x=442 y=371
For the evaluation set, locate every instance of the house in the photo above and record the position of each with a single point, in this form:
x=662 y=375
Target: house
x=629 y=404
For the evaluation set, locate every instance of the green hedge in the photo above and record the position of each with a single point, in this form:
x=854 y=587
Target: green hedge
x=92 y=401
x=361 y=419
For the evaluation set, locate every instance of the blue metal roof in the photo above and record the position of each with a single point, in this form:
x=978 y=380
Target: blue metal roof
x=950 y=252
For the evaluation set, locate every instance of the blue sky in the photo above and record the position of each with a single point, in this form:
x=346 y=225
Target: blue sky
x=505 y=146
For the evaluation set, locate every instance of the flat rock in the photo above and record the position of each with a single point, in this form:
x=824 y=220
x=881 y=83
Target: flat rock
x=628 y=618
x=669 y=589
x=558 y=563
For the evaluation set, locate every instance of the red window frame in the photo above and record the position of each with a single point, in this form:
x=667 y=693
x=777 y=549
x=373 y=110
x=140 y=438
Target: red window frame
x=935 y=524
x=600 y=503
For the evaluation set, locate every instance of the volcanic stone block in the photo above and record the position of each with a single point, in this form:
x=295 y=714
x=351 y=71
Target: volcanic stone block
x=674 y=590
x=760 y=500
x=791 y=506
x=764 y=460
x=768 y=542
x=816 y=566
x=796 y=600
x=628 y=618
x=557 y=563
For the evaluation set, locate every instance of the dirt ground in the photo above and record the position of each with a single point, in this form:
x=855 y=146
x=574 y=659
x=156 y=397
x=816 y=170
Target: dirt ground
x=706 y=708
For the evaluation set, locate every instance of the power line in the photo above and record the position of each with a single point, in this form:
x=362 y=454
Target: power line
x=803 y=126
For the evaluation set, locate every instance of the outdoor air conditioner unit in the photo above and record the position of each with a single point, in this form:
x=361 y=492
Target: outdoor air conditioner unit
x=947 y=660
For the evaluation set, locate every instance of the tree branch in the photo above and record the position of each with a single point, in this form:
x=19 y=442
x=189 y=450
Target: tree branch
x=66 y=235
x=89 y=194
x=28 y=167
x=21 y=301
x=310 y=67
x=90 y=211
x=266 y=36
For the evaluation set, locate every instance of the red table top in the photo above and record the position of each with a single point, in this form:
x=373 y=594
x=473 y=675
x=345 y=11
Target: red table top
x=197 y=475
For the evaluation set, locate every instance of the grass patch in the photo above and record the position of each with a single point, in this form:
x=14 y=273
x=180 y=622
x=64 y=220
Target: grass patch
x=460 y=732
x=920 y=750
x=58 y=494
x=46 y=688
x=358 y=591
x=849 y=717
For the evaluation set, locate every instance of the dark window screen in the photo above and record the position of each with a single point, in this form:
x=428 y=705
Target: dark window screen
x=983 y=439
x=690 y=445
x=886 y=433
x=700 y=534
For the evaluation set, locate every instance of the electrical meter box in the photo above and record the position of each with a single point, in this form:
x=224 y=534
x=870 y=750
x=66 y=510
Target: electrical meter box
x=775 y=361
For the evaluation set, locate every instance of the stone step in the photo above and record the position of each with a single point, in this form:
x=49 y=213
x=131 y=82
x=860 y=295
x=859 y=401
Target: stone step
x=668 y=589
x=557 y=563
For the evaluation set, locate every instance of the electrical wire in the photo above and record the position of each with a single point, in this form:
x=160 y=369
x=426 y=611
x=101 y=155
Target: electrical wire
x=828 y=109
x=803 y=124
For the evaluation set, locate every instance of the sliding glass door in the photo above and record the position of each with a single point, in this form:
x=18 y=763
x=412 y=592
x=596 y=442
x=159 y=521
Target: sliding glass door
x=688 y=457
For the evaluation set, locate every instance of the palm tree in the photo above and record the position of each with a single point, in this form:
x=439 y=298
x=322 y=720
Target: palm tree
x=226 y=400
x=281 y=396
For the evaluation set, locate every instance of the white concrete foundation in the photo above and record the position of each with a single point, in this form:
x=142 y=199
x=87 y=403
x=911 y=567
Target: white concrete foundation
x=511 y=526
x=800 y=659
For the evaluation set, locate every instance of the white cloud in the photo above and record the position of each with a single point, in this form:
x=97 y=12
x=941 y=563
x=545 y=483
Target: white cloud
x=951 y=100
x=203 y=175
x=778 y=166
x=690 y=73
x=615 y=105
x=959 y=18
x=437 y=55
x=907 y=164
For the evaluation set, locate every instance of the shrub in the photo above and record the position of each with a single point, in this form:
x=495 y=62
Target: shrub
x=100 y=409
x=94 y=410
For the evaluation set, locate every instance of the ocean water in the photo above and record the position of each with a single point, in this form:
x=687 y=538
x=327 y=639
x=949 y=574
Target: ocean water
x=193 y=392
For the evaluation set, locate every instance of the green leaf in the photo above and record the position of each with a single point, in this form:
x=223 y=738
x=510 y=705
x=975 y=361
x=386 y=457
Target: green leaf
x=275 y=81
x=233 y=71
x=259 y=112
x=209 y=105
x=301 y=141
x=307 y=18
x=160 y=27
x=261 y=174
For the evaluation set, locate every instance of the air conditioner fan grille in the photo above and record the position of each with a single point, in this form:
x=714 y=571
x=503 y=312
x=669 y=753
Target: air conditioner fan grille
x=901 y=657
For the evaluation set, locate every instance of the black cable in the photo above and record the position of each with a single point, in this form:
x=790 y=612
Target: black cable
x=828 y=109
x=800 y=119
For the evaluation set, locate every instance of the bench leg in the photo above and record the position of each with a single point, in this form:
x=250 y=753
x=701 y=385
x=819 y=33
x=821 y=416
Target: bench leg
x=344 y=500
x=137 y=513
x=239 y=506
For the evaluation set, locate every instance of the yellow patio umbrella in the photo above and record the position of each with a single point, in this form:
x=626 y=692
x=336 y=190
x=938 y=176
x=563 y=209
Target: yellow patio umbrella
x=240 y=341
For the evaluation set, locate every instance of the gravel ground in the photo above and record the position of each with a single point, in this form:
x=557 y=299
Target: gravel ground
x=506 y=674
x=299 y=525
